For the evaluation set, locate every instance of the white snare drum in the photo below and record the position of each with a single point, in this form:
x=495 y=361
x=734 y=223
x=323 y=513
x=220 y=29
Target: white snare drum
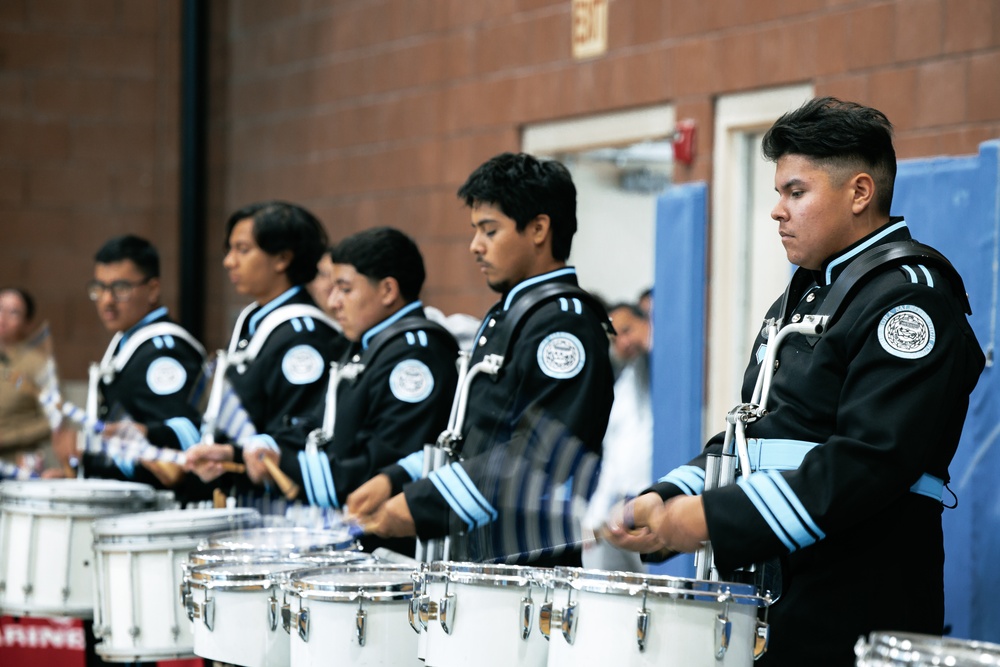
x=482 y=614
x=138 y=615
x=46 y=540
x=352 y=615
x=882 y=649
x=627 y=619
x=236 y=612
x=286 y=540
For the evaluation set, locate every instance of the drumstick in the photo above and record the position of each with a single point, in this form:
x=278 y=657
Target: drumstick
x=218 y=498
x=169 y=473
x=230 y=466
x=289 y=488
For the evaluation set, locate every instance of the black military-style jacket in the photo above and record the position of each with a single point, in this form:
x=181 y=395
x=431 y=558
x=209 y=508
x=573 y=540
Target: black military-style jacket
x=851 y=459
x=393 y=397
x=557 y=364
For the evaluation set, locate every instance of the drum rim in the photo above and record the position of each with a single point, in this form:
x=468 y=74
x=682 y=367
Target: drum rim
x=232 y=539
x=895 y=645
x=657 y=586
x=85 y=489
x=387 y=590
x=486 y=574
x=215 y=576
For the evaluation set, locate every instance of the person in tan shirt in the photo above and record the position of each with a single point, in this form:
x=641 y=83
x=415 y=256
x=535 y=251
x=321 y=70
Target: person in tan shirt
x=24 y=427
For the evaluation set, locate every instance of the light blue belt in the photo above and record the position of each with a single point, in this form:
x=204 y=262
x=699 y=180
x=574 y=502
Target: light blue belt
x=779 y=454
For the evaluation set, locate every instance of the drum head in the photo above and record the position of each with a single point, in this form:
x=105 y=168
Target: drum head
x=92 y=492
x=177 y=522
x=287 y=540
x=376 y=582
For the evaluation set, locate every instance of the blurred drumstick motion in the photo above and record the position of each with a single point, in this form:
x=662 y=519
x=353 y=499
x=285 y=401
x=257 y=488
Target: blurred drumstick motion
x=288 y=488
x=219 y=498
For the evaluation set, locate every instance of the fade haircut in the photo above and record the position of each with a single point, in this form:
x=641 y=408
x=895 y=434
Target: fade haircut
x=138 y=250
x=280 y=226
x=384 y=252
x=523 y=187
x=844 y=137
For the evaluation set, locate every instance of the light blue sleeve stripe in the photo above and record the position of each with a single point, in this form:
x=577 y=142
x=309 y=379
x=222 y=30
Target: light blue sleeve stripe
x=158 y=343
x=306 y=482
x=450 y=499
x=791 y=515
x=911 y=272
x=324 y=462
x=422 y=337
x=316 y=478
x=463 y=496
x=690 y=479
x=297 y=324
x=930 y=486
x=410 y=338
x=185 y=430
x=765 y=512
x=577 y=306
x=927 y=274
x=563 y=303
x=800 y=510
x=127 y=466
x=169 y=340
x=310 y=325
x=413 y=464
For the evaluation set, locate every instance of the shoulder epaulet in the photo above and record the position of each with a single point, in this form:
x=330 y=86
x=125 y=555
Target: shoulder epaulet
x=871 y=263
x=532 y=300
x=271 y=322
x=148 y=333
x=403 y=325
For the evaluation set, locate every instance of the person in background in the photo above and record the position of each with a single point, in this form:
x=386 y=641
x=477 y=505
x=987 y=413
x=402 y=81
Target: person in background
x=24 y=372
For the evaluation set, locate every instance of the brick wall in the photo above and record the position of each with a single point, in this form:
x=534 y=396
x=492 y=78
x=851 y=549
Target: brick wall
x=374 y=111
x=88 y=149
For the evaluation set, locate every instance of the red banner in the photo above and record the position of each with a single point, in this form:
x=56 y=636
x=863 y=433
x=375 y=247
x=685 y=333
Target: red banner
x=41 y=642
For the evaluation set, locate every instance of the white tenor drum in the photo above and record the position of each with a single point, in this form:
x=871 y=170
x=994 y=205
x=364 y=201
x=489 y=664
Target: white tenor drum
x=138 y=614
x=235 y=609
x=46 y=554
x=883 y=649
x=482 y=614
x=284 y=539
x=632 y=620
x=352 y=615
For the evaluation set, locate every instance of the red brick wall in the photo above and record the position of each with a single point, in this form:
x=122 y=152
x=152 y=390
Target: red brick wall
x=88 y=149
x=374 y=111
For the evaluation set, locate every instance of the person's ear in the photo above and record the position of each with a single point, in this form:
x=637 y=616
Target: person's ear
x=862 y=192
x=539 y=228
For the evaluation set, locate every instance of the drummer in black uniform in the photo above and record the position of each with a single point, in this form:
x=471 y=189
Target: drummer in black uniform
x=282 y=343
x=149 y=373
x=850 y=461
x=395 y=386
x=556 y=357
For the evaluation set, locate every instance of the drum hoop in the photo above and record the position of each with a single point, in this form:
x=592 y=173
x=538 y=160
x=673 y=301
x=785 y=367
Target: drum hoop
x=143 y=527
x=314 y=539
x=902 y=645
x=396 y=583
x=634 y=584
x=484 y=574
x=70 y=491
x=217 y=576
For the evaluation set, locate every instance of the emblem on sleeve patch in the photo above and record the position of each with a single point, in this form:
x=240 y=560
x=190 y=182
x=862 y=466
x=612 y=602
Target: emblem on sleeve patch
x=165 y=376
x=906 y=332
x=561 y=355
x=761 y=353
x=411 y=381
x=302 y=364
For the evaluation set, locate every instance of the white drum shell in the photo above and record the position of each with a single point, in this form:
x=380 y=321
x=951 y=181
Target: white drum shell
x=333 y=635
x=681 y=632
x=486 y=626
x=46 y=554
x=139 y=614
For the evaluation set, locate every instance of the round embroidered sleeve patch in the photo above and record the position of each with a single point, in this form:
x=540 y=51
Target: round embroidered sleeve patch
x=561 y=355
x=165 y=376
x=906 y=332
x=411 y=381
x=302 y=364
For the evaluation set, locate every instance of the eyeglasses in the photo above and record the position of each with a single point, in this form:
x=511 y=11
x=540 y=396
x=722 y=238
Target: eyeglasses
x=121 y=290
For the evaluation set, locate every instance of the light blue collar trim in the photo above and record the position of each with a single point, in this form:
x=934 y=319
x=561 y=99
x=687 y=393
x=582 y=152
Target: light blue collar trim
x=381 y=326
x=150 y=316
x=864 y=246
x=534 y=280
x=271 y=306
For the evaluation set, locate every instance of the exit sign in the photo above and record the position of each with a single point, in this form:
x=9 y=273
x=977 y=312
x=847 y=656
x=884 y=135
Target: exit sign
x=590 y=28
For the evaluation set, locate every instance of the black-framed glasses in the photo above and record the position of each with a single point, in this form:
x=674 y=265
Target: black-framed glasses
x=121 y=290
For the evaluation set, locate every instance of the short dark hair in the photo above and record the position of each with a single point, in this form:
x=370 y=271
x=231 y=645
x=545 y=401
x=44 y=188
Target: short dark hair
x=29 y=302
x=280 y=226
x=138 y=250
x=384 y=252
x=524 y=187
x=842 y=135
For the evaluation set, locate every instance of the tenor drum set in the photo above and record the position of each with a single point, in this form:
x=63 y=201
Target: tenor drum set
x=160 y=583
